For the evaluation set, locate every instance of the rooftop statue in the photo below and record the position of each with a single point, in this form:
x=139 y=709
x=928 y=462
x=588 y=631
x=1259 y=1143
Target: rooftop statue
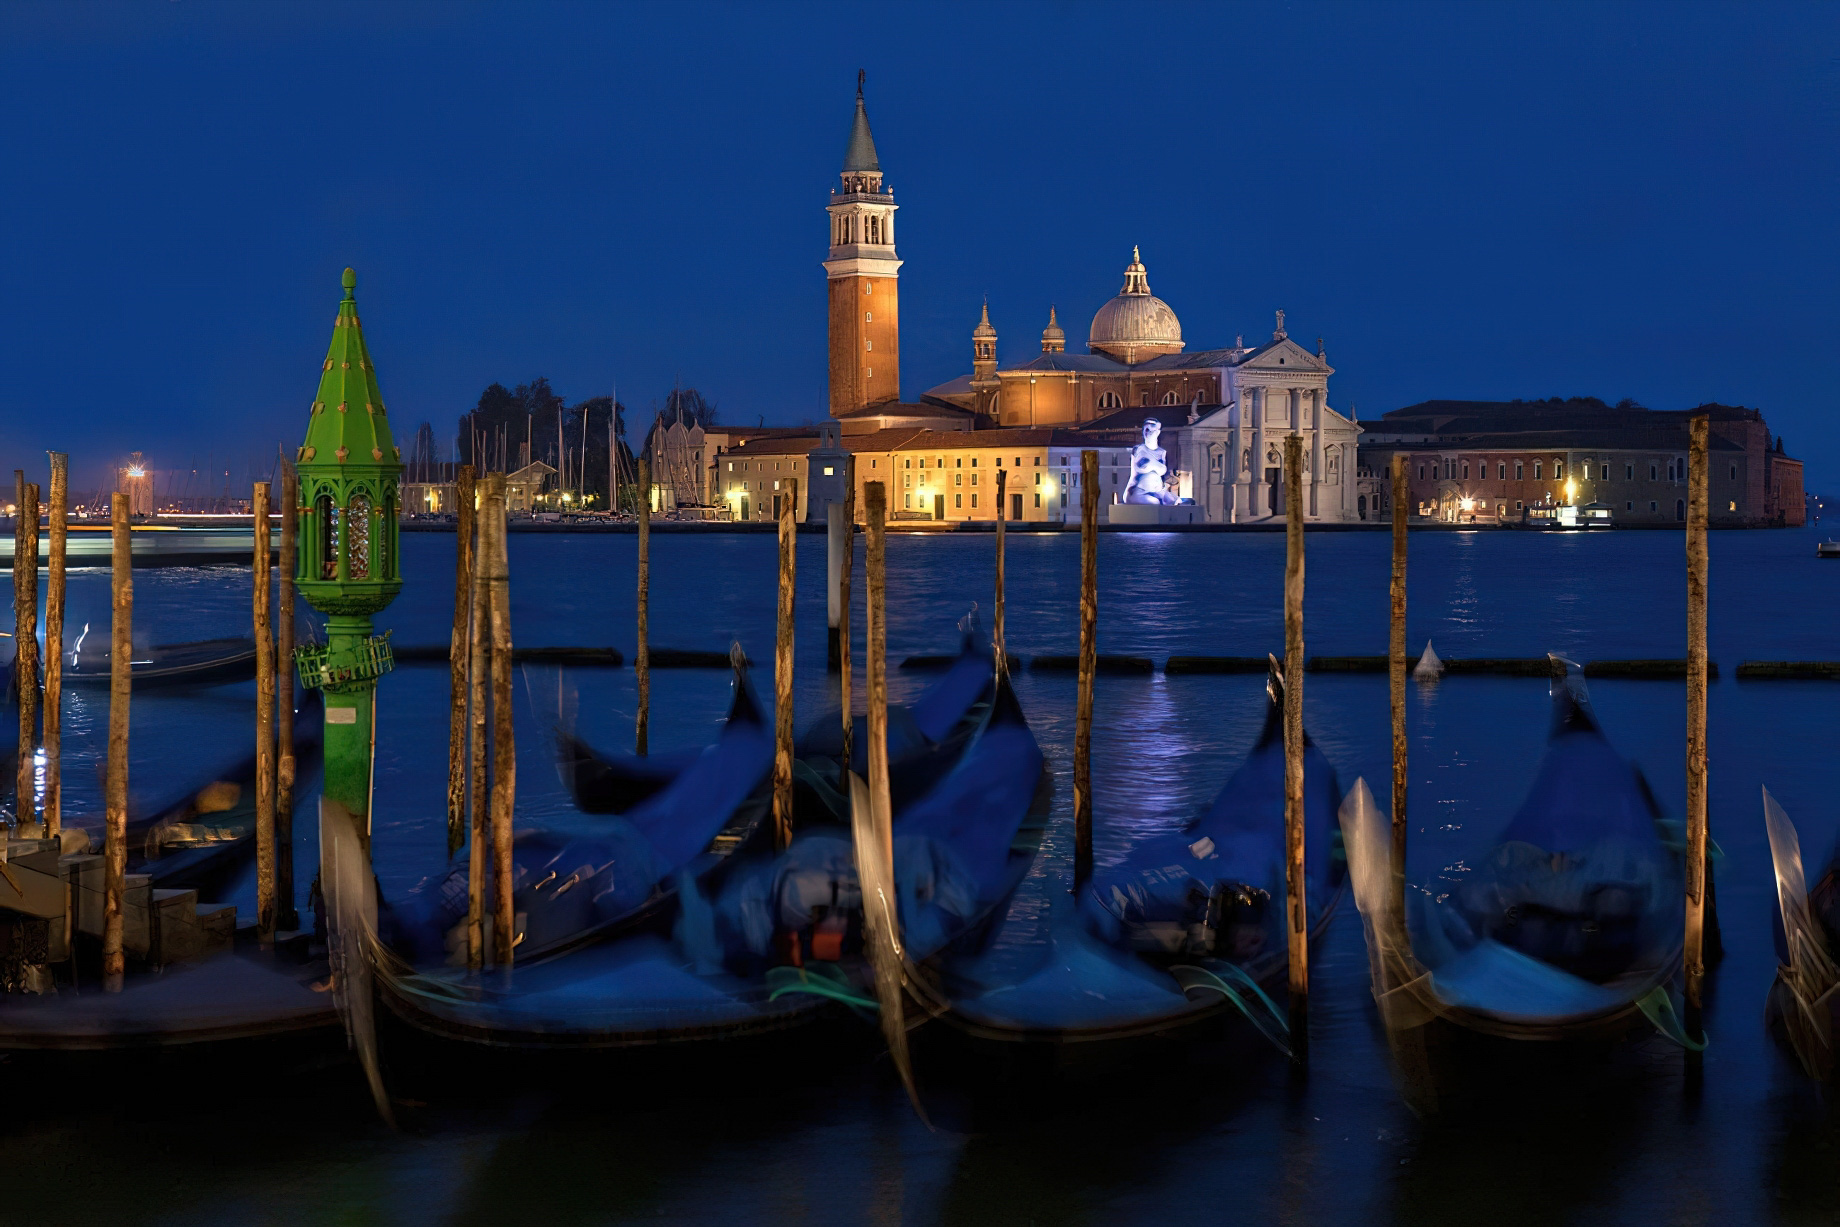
x=1149 y=466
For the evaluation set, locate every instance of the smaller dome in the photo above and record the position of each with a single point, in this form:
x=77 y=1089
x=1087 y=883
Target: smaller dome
x=1136 y=324
x=1053 y=337
x=984 y=329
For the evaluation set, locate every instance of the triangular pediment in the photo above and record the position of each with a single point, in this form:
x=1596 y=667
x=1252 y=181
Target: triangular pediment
x=1283 y=355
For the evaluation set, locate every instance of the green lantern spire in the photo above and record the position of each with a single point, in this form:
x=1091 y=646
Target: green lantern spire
x=350 y=481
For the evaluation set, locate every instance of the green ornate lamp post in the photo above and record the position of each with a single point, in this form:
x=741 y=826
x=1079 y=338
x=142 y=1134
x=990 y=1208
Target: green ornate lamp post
x=350 y=474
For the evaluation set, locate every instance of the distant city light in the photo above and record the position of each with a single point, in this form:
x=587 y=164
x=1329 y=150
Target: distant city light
x=137 y=472
x=1571 y=490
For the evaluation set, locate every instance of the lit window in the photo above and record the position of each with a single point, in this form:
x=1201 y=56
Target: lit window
x=731 y=466
x=1732 y=506
x=828 y=472
x=958 y=500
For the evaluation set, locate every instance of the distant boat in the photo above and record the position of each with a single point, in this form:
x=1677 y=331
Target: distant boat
x=1827 y=549
x=204 y=663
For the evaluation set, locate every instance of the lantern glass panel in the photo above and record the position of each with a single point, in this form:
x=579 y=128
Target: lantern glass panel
x=358 y=527
x=327 y=516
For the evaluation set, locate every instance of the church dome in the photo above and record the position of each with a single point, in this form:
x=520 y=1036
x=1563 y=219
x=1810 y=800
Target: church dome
x=1136 y=324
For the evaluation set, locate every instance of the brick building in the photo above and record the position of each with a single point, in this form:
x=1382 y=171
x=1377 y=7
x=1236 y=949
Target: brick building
x=1492 y=462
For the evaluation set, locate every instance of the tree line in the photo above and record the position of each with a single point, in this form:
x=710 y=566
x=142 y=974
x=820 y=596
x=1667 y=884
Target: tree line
x=531 y=422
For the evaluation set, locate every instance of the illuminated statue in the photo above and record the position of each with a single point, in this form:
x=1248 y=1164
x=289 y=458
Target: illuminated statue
x=1149 y=465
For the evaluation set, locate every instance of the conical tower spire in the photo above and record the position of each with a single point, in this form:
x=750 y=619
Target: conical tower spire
x=348 y=425
x=1053 y=337
x=860 y=156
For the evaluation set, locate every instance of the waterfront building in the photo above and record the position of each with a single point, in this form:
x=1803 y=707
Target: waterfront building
x=1511 y=462
x=1224 y=411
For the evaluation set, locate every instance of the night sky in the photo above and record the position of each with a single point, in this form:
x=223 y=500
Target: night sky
x=1464 y=200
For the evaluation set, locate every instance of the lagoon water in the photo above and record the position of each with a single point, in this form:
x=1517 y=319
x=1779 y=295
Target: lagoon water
x=1226 y=1134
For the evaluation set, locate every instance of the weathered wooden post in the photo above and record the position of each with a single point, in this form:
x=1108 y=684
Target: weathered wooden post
x=286 y=917
x=1297 y=913
x=1694 y=954
x=25 y=647
x=875 y=646
x=478 y=862
x=642 y=656
x=871 y=822
x=349 y=568
x=1089 y=666
x=836 y=541
x=996 y=617
x=54 y=649
x=262 y=599
x=1396 y=682
x=115 y=783
x=782 y=667
x=459 y=648
x=504 y=746
x=843 y=614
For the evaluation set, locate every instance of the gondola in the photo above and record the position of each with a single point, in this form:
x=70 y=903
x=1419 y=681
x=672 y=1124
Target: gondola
x=763 y=941
x=1803 y=1008
x=201 y=839
x=1569 y=929
x=1185 y=933
x=923 y=740
x=207 y=662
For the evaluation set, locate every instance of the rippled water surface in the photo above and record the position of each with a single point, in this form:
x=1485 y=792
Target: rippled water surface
x=820 y=1133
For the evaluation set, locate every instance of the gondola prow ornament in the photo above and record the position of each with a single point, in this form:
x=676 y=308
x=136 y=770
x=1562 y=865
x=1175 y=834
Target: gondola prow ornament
x=348 y=563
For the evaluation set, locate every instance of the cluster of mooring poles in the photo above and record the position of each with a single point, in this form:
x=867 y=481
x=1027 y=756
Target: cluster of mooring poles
x=482 y=746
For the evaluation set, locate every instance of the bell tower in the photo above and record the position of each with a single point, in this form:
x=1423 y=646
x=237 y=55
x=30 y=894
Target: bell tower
x=865 y=314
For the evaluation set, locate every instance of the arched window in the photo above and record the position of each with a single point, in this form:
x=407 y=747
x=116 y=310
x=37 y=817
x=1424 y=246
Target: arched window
x=326 y=518
x=1169 y=398
x=358 y=546
x=386 y=543
x=1110 y=400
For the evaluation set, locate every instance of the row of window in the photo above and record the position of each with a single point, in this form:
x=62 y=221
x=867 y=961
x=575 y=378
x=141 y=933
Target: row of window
x=862 y=228
x=1453 y=468
x=939 y=462
x=958 y=501
x=958 y=479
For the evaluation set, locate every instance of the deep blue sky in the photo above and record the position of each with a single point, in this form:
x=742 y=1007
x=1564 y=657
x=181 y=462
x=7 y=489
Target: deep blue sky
x=1466 y=200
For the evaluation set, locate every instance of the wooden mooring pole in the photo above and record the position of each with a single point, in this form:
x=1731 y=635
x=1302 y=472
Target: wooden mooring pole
x=642 y=656
x=1089 y=666
x=1396 y=682
x=843 y=614
x=782 y=666
x=875 y=647
x=504 y=747
x=286 y=916
x=1694 y=954
x=115 y=784
x=1296 y=911
x=478 y=864
x=459 y=654
x=996 y=617
x=54 y=649
x=25 y=647
x=262 y=600
x=836 y=541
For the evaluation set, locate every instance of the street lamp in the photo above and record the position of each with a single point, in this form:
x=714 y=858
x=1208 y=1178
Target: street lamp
x=350 y=479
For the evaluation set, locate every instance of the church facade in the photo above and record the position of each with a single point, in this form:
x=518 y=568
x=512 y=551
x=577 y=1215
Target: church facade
x=1224 y=412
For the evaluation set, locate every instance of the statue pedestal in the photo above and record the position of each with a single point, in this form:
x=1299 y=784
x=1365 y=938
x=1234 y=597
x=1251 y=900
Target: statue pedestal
x=1152 y=514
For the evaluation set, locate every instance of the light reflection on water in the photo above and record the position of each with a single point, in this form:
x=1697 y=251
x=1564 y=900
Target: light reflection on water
x=1178 y=1138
